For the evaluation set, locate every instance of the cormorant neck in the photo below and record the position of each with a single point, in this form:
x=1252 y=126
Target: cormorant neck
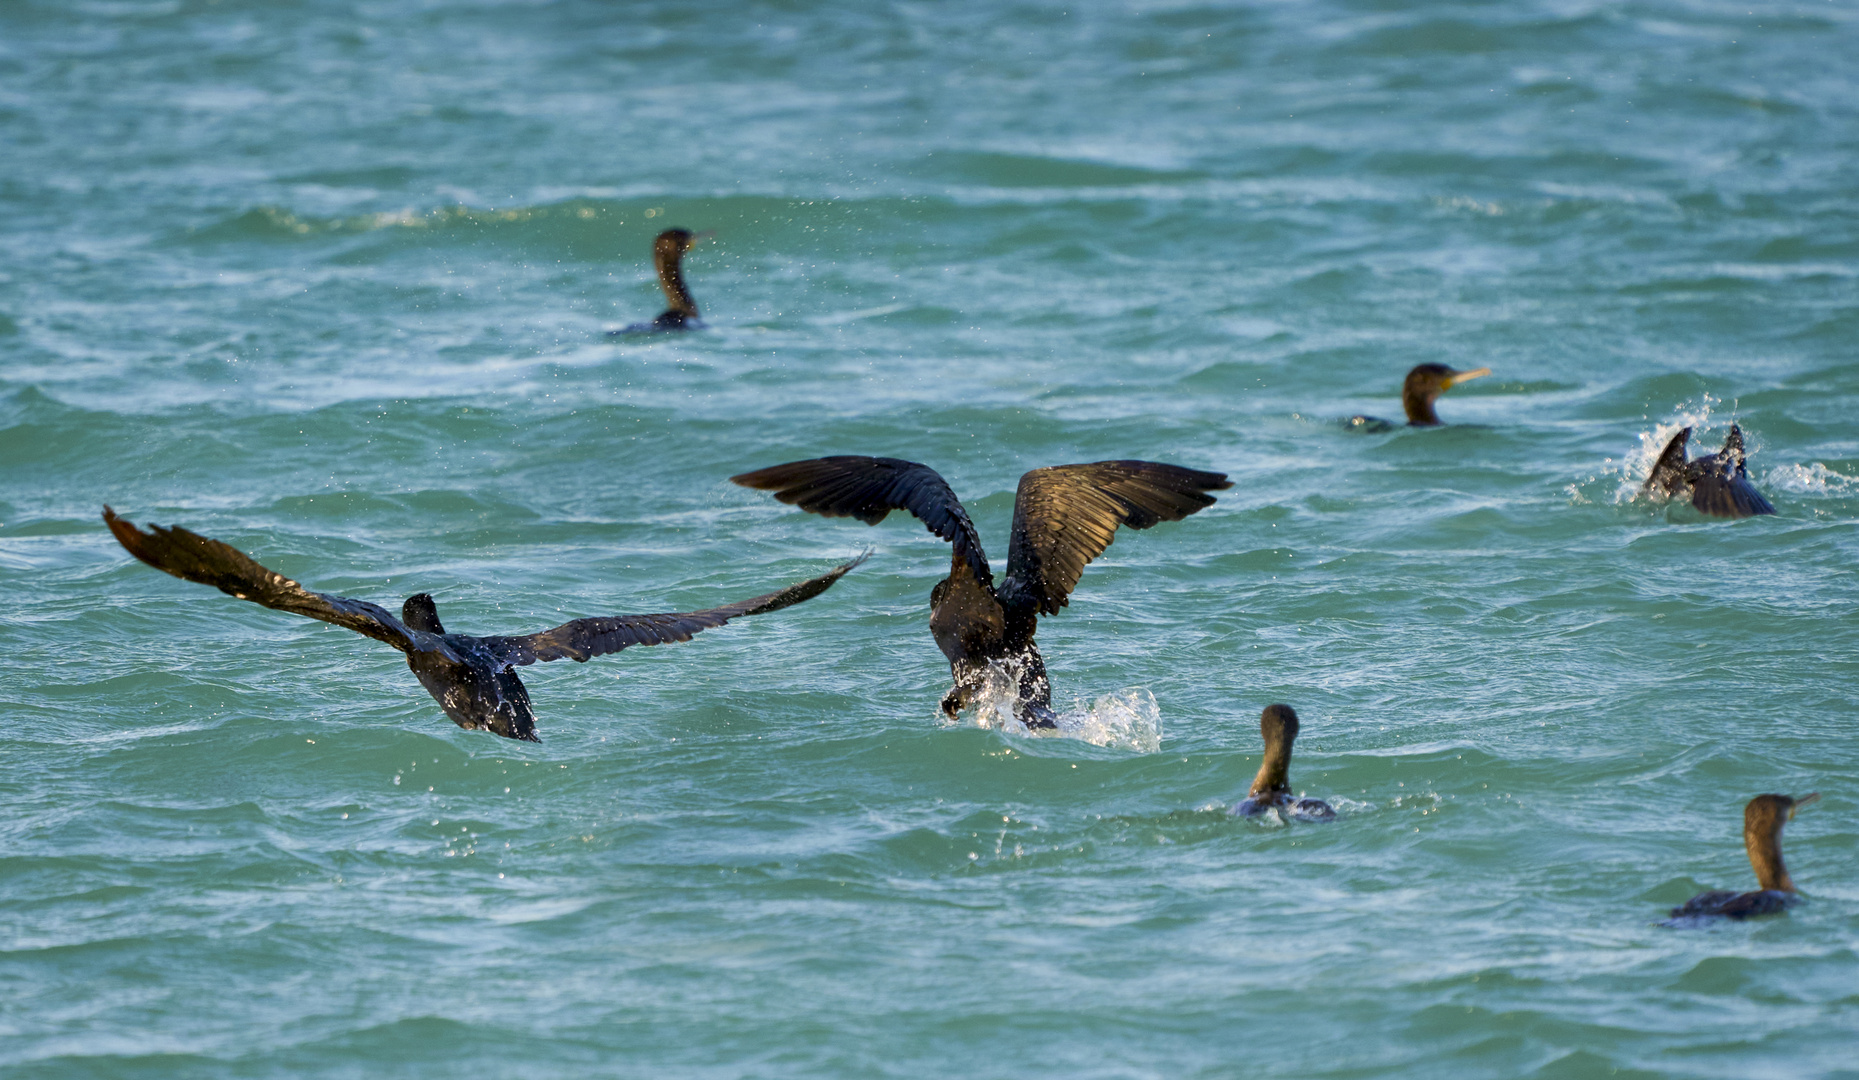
x=1275 y=771
x=667 y=259
x=1765 y=855
x=1419 y=406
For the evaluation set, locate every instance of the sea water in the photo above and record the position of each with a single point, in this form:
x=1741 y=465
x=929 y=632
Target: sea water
x=330 y=282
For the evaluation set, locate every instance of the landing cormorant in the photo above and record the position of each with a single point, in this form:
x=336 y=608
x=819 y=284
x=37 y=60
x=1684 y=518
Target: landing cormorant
x=667 y=255
x=1718 y=483
x=472 y=678
x=1272 y=787
x=1763 y=819
x=1063 y=517
x=1422 y=387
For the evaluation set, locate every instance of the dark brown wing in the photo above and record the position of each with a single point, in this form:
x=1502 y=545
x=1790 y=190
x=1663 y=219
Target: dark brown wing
x=1066 y=515
x=226 y=568
x=584 y=639
x=868 y=488
x=1668 y=473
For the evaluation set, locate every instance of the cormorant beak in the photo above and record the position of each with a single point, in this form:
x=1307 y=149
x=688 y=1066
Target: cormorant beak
x=698 y=238
x=1458 y=377
x=1805 y=800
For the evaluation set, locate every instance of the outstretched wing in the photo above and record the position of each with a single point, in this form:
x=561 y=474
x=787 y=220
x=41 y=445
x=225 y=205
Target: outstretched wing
x=196 y=558
x=1668 y=473
x=584 y=639
x=1066 y=515
x=868 y=488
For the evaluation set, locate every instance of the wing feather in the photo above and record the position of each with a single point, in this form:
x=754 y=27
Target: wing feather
x=584 y=639
x=868 y=488
x=193 y=557
x=1066 y=515
x=1668 y=473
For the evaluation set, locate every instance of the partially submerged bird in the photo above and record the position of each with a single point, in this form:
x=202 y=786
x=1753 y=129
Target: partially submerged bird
x=1063 y=517
x=1718 y=483
x=1271 y=789
x=667 y=258
x=1763 y=819
x=472 y=678
x=1422 y=387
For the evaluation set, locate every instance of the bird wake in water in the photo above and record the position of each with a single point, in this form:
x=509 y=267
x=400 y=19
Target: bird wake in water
x=1127 y=719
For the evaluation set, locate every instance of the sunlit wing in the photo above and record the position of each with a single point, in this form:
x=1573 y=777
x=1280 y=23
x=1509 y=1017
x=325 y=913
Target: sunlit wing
x=1066 y=515
x=868 y=488
x=188 y=555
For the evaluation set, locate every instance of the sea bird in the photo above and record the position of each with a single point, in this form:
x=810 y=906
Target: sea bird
x=667 y=258
x=1272 y=787
x=1063 y=517
x=1718 y=483
x=1763 y=819
x=472 y=678
x=1422 y=387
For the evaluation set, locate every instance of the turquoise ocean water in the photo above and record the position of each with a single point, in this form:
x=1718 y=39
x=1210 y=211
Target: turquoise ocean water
x=330 y=281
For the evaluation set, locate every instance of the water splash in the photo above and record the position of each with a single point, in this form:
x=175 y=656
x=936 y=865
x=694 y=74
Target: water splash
x=1814 y=479
x=1633 y=468
x=1127 y=719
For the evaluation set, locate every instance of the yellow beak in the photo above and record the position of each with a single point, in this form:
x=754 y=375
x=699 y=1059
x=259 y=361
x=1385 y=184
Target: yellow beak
x=1458 y=377
x=1805 y=800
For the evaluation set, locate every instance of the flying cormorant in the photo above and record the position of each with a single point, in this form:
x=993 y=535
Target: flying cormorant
x=1421 y=388
x=1763 y=819
x=472 y=678
x=1272 y=787
x=1063 y=517
x=667 y=256
x=1718 y=483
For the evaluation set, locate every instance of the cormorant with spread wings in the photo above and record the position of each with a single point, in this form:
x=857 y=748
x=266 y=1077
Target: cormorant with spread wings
x=472 y=678
x=1063 y=517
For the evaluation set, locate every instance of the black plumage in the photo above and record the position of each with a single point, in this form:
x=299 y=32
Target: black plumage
x=1718 y=484
x=472 y=678
x=1063 y=517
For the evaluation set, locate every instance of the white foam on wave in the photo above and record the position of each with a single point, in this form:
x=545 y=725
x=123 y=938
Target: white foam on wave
x=1127 y=719
x=1812 y=479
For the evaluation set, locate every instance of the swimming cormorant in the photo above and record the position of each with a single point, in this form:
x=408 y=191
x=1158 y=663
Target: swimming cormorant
x=1421 y=388
x=1063 y=517
x=667 y=255
x=1272 y=787
x=1718 y=483
x=1763 y=819
x=472 y=678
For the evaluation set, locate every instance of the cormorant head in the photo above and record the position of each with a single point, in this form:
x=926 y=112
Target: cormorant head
x=420 y=613
x=1763 y=819
x=672 y=243
x=1425 y=384
x=1278 y=723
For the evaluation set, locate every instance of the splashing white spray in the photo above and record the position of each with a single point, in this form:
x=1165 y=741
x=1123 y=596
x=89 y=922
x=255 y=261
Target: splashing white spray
x=1637 y=466
x=1126 y=719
